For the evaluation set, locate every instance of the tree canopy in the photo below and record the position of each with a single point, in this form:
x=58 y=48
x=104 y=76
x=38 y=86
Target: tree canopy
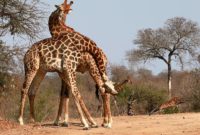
x=21 y=17
x=177 y=38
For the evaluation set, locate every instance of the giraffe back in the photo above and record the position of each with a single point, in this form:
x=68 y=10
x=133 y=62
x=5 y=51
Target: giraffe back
x=172 y=102
x=57 y=27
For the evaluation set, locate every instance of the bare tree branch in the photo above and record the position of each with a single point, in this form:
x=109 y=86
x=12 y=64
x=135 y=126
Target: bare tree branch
x=22 y=17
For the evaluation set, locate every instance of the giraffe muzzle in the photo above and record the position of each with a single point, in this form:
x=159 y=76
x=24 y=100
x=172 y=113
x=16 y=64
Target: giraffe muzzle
x=110 y=88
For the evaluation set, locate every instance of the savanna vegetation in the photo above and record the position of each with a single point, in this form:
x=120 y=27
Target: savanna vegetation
x=179 y=38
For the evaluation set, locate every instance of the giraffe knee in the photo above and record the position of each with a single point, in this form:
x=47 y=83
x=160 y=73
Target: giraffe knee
x=24 y=92
x=76 y=94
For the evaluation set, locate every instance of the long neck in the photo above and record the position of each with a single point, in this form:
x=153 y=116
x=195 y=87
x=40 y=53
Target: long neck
x=57 y=23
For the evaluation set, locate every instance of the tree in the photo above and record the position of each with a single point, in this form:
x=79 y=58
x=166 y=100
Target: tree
x=8 y=57
x=21 y=17
x=119 y=73
x=178 y=39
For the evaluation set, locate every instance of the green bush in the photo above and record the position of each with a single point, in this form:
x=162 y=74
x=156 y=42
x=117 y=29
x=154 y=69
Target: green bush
x=145 y=97
x=171 y=110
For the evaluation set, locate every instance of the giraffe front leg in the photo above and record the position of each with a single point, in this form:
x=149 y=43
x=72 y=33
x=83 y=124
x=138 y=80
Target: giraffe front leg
x=66 y=112
x=65 y=94
x=107 y=121
x=77 y=97
x=63 y=105
x=87 y=114
x=70 y=80
x=58 y=118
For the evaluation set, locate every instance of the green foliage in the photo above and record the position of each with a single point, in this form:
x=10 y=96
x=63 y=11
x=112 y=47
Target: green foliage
x=46 y=104
x=147 y=97
x=171 y=110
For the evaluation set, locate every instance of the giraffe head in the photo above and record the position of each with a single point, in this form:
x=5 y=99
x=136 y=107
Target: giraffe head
x=65 y=8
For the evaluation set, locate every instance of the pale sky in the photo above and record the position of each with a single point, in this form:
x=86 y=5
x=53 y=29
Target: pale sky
x=113 y=24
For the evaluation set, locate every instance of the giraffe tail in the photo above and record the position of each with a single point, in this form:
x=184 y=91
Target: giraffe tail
x=97 y=92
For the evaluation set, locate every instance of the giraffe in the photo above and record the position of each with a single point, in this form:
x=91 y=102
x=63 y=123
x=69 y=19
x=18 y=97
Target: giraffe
x=170 y=103
x=57 y=27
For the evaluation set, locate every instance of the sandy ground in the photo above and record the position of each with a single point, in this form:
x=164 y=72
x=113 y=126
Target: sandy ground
x=176 y=124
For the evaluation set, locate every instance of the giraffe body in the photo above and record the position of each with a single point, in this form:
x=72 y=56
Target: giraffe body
x=61 y=56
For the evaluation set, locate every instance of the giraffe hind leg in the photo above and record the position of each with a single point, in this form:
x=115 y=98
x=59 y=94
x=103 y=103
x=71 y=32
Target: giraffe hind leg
x=33 y=90
x=29 y=76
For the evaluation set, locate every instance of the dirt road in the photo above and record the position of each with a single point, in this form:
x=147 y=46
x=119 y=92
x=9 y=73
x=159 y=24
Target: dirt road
x=176 y=124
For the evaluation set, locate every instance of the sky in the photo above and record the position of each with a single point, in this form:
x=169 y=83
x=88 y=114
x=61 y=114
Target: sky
x=113 y=24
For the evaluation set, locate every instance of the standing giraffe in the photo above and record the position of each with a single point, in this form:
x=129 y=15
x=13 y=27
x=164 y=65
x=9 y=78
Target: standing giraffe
x=57 y=27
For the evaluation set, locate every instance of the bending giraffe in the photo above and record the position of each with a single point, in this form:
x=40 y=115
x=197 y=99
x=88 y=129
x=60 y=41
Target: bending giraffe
x=57 y=27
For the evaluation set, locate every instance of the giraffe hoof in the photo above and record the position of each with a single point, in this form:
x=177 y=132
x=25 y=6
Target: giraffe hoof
x=21 y=122
x=86 y=128
x=106 y=125
x=65 y=124
x=56 y=124
x=94 y=126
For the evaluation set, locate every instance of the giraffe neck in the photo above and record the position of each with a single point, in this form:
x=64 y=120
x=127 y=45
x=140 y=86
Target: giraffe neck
x=57 y=24
x=57 y=27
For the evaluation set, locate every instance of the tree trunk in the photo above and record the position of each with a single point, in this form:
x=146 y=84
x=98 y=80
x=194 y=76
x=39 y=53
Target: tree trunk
x=169 y=81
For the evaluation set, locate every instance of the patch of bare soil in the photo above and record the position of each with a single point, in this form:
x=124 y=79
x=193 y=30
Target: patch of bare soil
x=175 y=124
x=7 y=125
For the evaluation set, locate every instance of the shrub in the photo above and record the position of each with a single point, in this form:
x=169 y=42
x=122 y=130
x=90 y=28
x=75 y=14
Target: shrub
x=145 y=98
x=171 y=110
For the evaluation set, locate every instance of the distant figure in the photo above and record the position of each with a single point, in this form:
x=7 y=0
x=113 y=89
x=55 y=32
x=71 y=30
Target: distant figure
x=171 y=103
